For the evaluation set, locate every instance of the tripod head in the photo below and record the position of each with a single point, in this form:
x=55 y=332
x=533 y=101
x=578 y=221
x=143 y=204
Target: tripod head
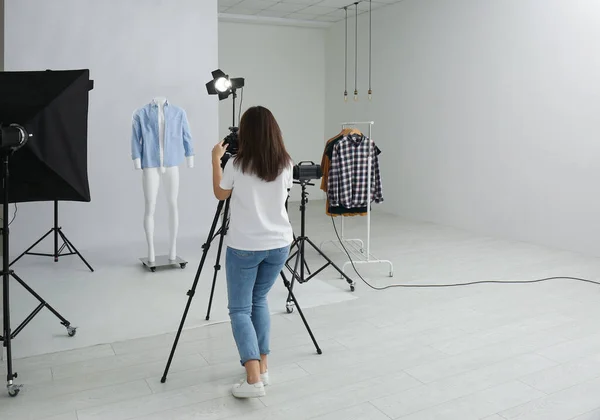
x=304 y=193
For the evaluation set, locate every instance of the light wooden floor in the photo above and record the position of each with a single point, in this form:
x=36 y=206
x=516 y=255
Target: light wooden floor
x=493 y=352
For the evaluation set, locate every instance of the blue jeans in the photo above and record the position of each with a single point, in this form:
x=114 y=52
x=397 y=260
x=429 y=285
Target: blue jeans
x=250 y=276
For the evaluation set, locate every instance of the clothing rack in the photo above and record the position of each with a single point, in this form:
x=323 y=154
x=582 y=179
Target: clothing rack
x=357 y=246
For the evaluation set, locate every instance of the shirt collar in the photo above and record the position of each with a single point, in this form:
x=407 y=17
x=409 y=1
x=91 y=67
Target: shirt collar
x=155 y=105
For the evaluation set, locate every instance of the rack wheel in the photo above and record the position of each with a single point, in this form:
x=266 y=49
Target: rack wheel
x=71 y=331
x=391 y=274
x=289 y=308
x=153 y=269
x=13 y=390
x=182 y=265
x=352 y=288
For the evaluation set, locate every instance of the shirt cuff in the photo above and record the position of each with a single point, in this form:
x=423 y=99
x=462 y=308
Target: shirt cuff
x=190 y=161
x=137 y=163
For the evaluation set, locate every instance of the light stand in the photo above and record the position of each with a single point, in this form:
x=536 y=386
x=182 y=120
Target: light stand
x=58 y=252
x=7 y=273
x=300 y=243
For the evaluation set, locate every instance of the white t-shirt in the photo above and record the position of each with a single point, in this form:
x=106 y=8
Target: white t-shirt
x=259 y=220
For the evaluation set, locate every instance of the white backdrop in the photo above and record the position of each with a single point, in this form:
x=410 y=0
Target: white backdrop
x=135 y=50
x=486 y=112
x=284 y=68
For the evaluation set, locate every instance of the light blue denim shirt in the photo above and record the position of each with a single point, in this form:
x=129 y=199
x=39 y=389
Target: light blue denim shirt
x=145 y=140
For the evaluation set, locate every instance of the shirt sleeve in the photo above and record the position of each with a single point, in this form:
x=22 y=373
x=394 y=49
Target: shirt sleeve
x=136 y=138
x=228 y=175
x=187 y=137
x=334 y=178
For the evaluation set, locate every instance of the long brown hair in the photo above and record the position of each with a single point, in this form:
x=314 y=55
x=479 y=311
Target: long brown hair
x=261 y=150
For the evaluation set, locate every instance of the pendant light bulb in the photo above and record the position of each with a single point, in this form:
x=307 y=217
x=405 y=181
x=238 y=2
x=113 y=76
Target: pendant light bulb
x=370 y=94
x=345 y=96
x=356 y=96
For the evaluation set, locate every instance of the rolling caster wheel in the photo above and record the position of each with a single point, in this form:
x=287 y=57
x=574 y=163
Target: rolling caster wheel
x=391 y=274
x=182 y=265
x=71 y=331
x=289 y=309
x=13 y=390
x=153 y=269
x=352 y=288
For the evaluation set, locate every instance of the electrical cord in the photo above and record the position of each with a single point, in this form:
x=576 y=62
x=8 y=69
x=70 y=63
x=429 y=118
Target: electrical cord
x=429 y=286
x=14 y=216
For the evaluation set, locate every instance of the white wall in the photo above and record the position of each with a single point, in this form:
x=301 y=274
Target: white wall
x=487 y=113
x=135 y=50
x=1 y=35
x=284 y=69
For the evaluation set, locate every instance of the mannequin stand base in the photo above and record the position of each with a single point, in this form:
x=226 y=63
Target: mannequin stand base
x=163 y=261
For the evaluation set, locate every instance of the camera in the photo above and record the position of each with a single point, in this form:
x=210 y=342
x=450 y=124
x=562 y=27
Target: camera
x=307 y=171
x=231 y=141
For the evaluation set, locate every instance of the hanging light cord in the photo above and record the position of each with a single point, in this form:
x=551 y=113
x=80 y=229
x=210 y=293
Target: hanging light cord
x=346 y=58
x=370 y=48
x=356 y=53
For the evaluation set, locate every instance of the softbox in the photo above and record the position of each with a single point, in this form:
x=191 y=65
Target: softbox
x=53 y=107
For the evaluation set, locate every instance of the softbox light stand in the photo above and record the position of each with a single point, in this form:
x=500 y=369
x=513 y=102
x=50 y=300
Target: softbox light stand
x=7 y=334
x=53 y=107
x=58 y=251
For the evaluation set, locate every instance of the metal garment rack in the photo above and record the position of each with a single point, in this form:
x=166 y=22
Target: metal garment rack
x=357 y=246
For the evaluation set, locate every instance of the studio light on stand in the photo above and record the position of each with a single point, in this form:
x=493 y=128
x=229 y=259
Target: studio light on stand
x=223 y=86
x=45 y=159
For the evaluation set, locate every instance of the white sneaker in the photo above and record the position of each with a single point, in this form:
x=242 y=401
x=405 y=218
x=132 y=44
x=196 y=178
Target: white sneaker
x=264 y=377
x=246 y=390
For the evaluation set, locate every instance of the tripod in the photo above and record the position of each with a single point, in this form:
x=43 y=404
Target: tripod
x=299 y=254
x=58 y=252
x=211 y=236
x=7 y=336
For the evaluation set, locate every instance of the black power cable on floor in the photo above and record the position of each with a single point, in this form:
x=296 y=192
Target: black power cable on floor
x=425 y=286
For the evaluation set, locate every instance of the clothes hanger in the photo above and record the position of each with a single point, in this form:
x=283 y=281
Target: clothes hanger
x=349 y=131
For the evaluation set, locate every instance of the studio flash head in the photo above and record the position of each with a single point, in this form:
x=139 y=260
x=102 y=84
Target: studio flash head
x=12 y=137
x=307 y=171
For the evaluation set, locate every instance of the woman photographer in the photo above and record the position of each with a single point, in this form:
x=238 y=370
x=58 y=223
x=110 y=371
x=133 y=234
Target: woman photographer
x=257 y=179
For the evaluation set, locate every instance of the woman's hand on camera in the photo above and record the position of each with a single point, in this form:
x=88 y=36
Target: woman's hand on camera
x=218 y=151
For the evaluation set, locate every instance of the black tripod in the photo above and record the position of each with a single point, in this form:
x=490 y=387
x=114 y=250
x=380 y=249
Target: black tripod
x=8 y=335
x=299 y=254
x=58 y=252
x=211 y=236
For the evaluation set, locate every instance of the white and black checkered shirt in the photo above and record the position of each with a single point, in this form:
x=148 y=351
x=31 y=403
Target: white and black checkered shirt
x=347 y=183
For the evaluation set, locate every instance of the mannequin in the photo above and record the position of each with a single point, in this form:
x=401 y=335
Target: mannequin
x=162 y=167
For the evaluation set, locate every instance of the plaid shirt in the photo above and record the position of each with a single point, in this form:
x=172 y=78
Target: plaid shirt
x=347 y=183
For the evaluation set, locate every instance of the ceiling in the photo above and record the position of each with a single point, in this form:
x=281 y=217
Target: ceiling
x=300 y=10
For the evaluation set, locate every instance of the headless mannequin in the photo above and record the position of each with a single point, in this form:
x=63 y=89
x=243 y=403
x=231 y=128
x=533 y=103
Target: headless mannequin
x=152 y=178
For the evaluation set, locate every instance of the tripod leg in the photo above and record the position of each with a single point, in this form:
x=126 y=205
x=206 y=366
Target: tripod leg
x=312 y=337
x=192 y=291
x=13 y=390
x=223 y=231
x=351 y=282
x=290 y=301
x=71 y=330
x=31 y=247
x=70 y=245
